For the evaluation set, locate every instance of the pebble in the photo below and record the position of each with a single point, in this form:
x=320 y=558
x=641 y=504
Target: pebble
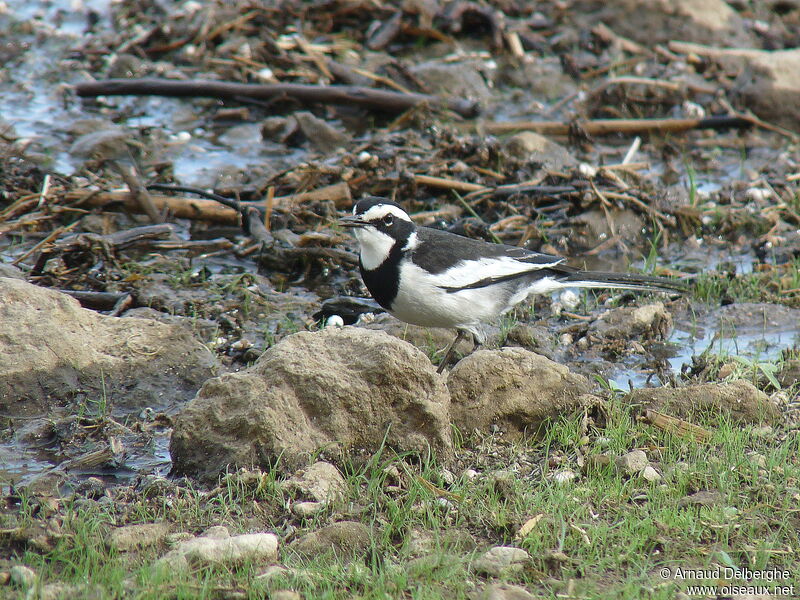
x=285 y=595
x=307 y=509
x=632 y=462
x=505 y=591
x=321 y=482
x=447 y=477
x=569 y=299
x=131 y=537
x=217 y=532
x=501 y=560
x=757 y=460
x=565 y=476
x=22 y=576
x=650 y=474
x=344 y=539
x=757 y=194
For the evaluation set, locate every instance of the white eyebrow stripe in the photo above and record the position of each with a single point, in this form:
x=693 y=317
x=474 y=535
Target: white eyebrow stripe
x=377 y=212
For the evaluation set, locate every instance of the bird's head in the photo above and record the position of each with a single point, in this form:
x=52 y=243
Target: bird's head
x=379 y=225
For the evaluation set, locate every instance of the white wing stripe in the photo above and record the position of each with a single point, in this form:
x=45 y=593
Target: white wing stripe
x=467 y=273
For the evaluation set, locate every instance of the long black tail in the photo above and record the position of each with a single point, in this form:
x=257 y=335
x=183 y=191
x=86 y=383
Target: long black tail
x=628 y=281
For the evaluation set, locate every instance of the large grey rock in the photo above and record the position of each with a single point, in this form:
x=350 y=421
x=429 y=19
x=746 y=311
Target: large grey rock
x=427 y=339
x=338 y=390
x=769 y=85
x=534 y=147
x=321 y=134
x=8 y=270
x=52 y=350
x=757 y=317
x=739 y=400
x=457 y=80
x=658 y=21
x=513 y=388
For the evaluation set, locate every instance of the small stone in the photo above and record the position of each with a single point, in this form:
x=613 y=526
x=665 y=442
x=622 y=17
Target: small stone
x=5 y=576
x=726 y=370
x=587 y=170
x=501 y=560
x=757 y=460
x=285 y=595
x=632 y=462
x=652 y=321
x=447 y=477
x=650 y=474
x=757 y=194
x=470 y=473
x=22 y=576
x=701 y=498
x=765 y=431
x=131 y=537
x=534 y=147
x=565 y=476
x=321 y=483
x=320 y=133
x=65 y=591
x=345 y=539
x=307 y=509
x=505 y=591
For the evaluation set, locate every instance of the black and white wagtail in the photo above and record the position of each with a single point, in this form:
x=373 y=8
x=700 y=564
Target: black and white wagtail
x=433 y=278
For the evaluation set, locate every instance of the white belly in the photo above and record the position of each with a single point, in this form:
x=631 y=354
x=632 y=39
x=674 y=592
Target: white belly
x=420 y=301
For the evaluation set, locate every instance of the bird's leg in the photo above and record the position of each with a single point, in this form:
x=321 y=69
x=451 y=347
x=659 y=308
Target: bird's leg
x=449 y=351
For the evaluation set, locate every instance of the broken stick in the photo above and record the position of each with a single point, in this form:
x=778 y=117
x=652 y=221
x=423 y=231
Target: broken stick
x=369 y=98
x=625 y=126
x=206 y=210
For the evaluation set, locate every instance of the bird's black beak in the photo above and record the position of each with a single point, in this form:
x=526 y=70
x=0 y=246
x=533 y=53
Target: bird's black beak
x=352 y=222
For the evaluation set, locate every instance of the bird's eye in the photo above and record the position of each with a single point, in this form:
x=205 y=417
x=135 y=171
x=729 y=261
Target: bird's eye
x=388 y=220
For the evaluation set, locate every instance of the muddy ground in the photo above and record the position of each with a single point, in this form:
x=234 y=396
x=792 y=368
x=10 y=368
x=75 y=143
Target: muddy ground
x=714 y=202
